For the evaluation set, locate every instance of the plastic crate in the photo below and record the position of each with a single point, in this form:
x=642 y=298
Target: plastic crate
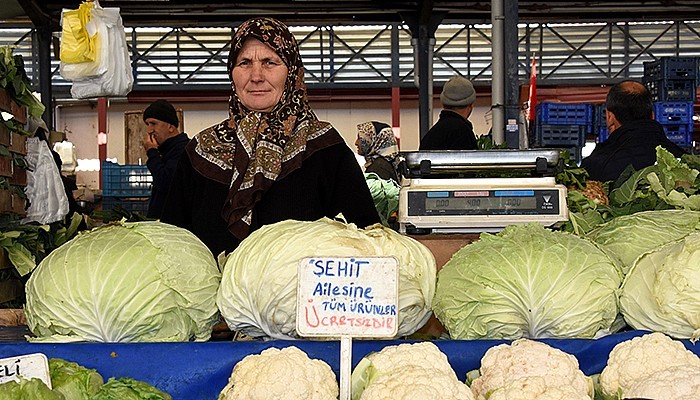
x=125 y=180
x=681 y=135
x=564 y=113
x=673 y=112
x=671 y=68
x=600 y=125
x=602 y=134
x=131 y=204
x=672 y=90
x=561 y=135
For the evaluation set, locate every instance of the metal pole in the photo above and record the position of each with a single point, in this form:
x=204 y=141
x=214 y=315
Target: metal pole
x=43 y=36
x=498 y=72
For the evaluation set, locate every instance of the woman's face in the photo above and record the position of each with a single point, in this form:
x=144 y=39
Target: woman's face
x=259 y=75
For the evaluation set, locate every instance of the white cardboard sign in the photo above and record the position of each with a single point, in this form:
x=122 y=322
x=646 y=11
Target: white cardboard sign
x=347 y=296
x=29 y=366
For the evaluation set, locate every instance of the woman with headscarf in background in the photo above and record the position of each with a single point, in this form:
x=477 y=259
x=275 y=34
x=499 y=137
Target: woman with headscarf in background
x=272 y=159
x=377 y=143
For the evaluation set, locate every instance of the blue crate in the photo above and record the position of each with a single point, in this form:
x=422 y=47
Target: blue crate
x=672 y=89
x=673 y=113
x=131 y=204
x=125 y=180
x=565 y=113
x=671 y=68
x=561 y=135
x=681 y=135
x=602 y=134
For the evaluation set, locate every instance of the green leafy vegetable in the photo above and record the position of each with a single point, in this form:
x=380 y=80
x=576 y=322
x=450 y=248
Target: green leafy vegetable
x=74 y=381
x=528 y=281
x=125 y=282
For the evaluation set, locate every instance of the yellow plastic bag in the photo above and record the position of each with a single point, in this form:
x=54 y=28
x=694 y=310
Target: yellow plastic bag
x=77 y=44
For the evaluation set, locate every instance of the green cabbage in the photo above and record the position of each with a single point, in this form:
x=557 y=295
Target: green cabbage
x=129 y=389
x=259 y=283
x=527 y=281
x=385 y=193
x=660 y=293
x=74 y=381
x=34 y=389
x=126 y=282
x=626 y=237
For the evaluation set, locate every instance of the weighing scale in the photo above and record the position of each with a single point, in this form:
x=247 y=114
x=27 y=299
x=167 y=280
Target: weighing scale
x=446 y=191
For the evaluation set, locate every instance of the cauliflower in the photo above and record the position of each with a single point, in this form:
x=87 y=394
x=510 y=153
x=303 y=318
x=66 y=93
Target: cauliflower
x=636 y=359
x=286 y=374
x=675 y=383
x=417 y=383
x=536 y=388
x=407 y=371
x=526 y=358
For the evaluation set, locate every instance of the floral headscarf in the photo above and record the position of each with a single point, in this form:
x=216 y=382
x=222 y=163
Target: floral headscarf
x=377 y=139
x=250 y=150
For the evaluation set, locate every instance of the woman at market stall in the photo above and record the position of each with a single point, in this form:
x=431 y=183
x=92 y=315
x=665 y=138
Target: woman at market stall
x=272 y=159
x=377 y=143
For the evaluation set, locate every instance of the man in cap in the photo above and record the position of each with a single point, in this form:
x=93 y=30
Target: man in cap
x=453 y=131
x=164 y=145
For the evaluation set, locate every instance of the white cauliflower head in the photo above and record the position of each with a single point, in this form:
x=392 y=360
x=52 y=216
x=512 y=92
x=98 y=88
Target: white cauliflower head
x=675 y=383
x=638 y=358
x=417 y=383
x=415 y=371
x=536 y=388
x=529 y=358
x=286 y=374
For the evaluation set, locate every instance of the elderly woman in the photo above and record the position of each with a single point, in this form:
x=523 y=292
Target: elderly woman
x=377 y=143
x=272 y=159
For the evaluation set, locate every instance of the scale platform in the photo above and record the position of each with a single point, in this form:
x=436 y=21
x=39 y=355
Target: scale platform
x=437 y=163
x=435 y=202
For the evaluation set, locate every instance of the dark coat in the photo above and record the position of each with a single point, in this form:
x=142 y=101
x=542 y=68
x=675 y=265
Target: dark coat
x=328 y=182
x=383 y=168
x=451 y=132
x=633 y=143
x=162 y=163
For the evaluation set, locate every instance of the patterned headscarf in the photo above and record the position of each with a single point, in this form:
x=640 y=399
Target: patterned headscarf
x=251 y=149
x=377 y=139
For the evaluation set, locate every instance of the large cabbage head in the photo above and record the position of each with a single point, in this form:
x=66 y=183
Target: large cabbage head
x=126 y=282
x=258 y=290
x=626 y=237
x=527 y=281
x=661 y=291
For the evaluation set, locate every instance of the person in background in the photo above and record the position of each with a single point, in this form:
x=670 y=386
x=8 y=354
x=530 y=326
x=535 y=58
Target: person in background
x=453 y=131
x=164 y=144
x=272 y=159
x=377 y=143
x=633 y=134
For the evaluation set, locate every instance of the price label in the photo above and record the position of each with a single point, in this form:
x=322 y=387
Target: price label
x=348 y=296
x=29 y=366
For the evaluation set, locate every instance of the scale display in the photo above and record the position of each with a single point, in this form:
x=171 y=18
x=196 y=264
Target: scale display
x=483 y=202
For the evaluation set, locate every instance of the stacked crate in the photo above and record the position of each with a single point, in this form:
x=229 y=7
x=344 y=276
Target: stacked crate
x=600 y=125
x=126 y=186
x=564 y=125
x=672 y=82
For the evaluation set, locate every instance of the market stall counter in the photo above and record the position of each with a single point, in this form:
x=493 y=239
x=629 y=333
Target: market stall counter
x=199 y=370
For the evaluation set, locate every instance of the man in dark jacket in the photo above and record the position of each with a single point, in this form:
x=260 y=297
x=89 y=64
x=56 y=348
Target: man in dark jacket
x=453 y=131
x=164 y=145
x=634 y=134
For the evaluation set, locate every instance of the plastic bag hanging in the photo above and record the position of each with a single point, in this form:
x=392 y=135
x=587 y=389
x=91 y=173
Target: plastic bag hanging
x=47 y=197
x=116 y=76
x=77 y=43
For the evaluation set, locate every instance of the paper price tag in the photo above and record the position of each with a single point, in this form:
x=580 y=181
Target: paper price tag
x=28 y=366
x=348 y=296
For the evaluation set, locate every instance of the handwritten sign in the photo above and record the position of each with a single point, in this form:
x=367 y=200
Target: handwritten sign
x=347 y=296
x=30 y=366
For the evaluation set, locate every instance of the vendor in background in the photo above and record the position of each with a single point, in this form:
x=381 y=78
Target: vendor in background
x=633 y=134
x=377 y=143
x=272 y=160
x=453 y=131
x=164 y=144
